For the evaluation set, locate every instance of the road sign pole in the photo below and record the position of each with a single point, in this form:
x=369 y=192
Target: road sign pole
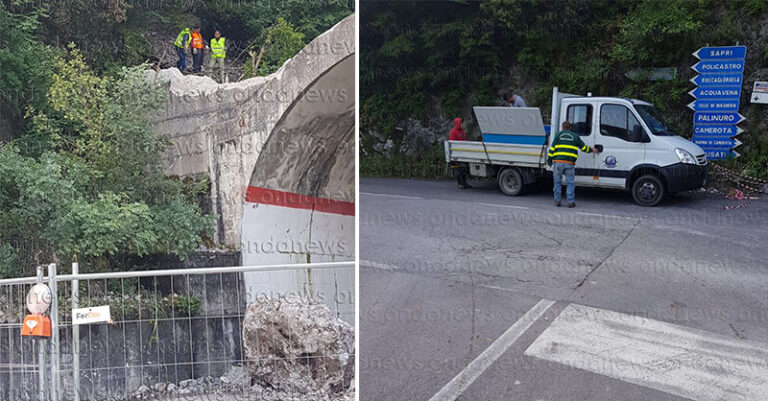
x=55 y=367
x=41 y=352
x=76 y=334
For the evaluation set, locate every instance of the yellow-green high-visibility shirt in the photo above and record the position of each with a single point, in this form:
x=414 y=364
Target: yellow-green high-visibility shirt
x=566 y=146
x=180 y=39
x=217 y=48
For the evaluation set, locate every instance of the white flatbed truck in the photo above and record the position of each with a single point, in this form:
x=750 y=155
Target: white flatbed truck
x=637 y=151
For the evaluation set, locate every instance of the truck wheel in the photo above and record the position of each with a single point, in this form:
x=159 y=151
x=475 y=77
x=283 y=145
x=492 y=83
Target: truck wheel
x=511 y=182
x=648 y=190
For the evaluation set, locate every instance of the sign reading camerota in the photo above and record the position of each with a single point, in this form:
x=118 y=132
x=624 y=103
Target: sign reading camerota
x=717 y=130
x=94 y=314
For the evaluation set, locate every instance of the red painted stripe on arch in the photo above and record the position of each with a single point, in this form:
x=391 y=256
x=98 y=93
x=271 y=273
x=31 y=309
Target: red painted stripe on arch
x=297 y=201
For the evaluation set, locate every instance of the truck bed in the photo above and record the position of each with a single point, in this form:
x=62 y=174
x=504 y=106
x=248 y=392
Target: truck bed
x=496 y=153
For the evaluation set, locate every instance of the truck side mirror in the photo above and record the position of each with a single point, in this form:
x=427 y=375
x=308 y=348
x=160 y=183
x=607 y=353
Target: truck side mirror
x=638 y=135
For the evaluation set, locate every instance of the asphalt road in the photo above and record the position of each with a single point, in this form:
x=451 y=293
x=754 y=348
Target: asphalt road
x=473 y=295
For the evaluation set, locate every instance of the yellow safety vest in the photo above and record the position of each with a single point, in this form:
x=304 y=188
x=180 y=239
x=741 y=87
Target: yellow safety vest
x=180 y=39
x=217 y=48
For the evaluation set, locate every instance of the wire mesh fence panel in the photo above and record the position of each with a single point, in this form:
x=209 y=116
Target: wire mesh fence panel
x=190 y=334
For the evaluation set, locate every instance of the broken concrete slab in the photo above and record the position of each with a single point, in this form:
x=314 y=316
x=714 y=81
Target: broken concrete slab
x=297 y=347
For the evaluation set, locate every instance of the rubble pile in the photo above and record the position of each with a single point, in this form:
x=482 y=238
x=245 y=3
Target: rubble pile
x=297 y=347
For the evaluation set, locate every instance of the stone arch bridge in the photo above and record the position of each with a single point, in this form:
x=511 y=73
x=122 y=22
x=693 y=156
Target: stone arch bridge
x=279 y=151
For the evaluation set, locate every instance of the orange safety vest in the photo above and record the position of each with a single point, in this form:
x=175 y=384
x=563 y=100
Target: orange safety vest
x=197 y=40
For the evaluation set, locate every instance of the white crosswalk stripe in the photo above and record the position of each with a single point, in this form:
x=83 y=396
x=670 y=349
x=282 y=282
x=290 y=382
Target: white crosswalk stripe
x=675 y=359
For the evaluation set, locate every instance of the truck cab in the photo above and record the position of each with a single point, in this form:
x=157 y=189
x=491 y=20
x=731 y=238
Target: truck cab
x=638 y=153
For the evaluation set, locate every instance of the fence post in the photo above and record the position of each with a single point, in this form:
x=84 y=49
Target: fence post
x=55 y=368
x=40 y=353
x=76 y=334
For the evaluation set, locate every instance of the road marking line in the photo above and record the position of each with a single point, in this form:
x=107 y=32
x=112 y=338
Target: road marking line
x=507 y=206
x=378 y=265
x=464 y=379
x=615 y=216
x=391 y=196
x=674 y=359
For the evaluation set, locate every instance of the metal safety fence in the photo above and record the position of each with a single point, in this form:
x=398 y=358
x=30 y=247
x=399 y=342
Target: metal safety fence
x=245 y=332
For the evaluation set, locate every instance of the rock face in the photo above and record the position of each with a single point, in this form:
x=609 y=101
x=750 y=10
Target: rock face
x=295 y=347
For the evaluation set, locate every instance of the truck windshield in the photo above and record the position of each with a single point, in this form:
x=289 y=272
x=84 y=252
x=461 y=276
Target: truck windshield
x=653 y=120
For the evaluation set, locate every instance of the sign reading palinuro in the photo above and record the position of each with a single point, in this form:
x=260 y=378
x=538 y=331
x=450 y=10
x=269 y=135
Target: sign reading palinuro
x=94 y=314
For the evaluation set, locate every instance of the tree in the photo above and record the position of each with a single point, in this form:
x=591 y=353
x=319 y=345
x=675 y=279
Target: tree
x=95 y=190
x=26 y=63
x=282 y=42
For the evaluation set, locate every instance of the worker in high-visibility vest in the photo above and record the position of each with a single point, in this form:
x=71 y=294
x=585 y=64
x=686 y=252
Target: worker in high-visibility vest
x=562 y=157
x=181 y=43
x=198 y=48
x=218 y=55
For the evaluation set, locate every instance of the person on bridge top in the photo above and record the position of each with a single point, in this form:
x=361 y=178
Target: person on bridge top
x=181 y=43
x=514 y=100
x=218 y=54
x=197 y=49
x=459 y=170
x=562 y=157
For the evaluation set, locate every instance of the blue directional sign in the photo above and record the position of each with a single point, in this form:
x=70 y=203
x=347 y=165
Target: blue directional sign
x=720 y=154
x=719 y=92
x=717 y=80
x=724 y=131
x=714 y=105
x=721 y=53
x=719 y=67
x=717 y=118
x=716 y=143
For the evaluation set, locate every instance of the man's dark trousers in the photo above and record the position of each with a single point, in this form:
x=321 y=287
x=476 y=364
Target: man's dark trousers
x=182 y=63
x=197 y=61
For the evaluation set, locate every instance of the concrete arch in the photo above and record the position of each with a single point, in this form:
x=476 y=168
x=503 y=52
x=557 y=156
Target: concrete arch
x=299 y=205
x=231 y=132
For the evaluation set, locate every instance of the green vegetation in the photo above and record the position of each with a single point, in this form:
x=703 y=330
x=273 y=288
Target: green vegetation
x=85 y=183
x=26 y=64
x=281 y=42
x=80 y=173
x=437 y=59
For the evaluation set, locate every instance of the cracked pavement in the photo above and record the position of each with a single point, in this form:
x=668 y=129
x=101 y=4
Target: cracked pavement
x=444 y=272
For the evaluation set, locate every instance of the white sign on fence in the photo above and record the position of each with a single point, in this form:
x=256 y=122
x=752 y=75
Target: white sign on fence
x=90 y=315
x=760 y=92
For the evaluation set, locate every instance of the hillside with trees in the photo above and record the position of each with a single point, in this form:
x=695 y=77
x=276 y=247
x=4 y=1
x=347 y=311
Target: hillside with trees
x=422 y=64
x=80 y=177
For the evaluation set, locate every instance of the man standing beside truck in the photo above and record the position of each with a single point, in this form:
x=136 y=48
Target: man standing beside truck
x=562 y=156
x=459 y=170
